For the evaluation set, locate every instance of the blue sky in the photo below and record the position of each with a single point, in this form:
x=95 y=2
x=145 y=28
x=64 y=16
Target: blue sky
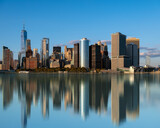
x=65 y=20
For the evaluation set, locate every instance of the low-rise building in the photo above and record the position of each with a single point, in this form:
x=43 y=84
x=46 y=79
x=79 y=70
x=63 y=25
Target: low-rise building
x=31 y=63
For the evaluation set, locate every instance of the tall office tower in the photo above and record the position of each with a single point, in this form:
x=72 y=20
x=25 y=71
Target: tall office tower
x=84 y=53
x=35 y=51
x=23 y=39
x=6 y=60
x=132 y=52
x=119 y=58
x=65 y=51
x=118 y=45
x=29 y=52
x=45 y=52
x=56 y=49
x=94 y=57
x=11 y=60
x=22 y=53
x=134 y=41
x=76 y=55
x=28 y=43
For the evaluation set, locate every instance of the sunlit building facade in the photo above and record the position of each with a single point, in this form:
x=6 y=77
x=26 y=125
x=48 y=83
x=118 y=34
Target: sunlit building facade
x=45 y=52
x=84 y=53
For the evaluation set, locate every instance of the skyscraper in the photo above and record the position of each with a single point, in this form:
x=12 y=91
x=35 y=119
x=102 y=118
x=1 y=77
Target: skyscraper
x=35 y=51
x=84 y=53
x=76 y=55
x=132 y=52
x=45 y=52
x=118 y=45
x=28 y=43
x=7 y=60
x=134 y=41
x=23 y=39
x=119 y=58
x=22 y=53
x=94 y=57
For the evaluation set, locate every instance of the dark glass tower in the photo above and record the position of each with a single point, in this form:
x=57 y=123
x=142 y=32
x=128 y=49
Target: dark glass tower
x=23 y=39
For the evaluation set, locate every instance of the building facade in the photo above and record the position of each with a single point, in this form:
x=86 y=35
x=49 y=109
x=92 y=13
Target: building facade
x=119 y=58
x=68 y=53
x=56 y=49
x=35 y=51
x=28 y=43
x=31 y=63
x=76 y=55
x=84 y=53
x=94 y=57
x=22 y=53
x=135 y=41
x=45 y=52
x=132 y=52
x=7 y=60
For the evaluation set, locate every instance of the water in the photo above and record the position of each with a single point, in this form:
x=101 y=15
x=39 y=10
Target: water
x=54 y=100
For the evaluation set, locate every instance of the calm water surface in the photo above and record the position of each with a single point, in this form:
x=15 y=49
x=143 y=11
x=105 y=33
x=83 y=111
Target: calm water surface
x=54 y=100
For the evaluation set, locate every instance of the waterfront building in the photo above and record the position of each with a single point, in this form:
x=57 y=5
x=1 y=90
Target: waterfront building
x=119 y=58
x=132 y=52
x=135 y=41
x=76 y=55
x=94 y=57
x=23 y=39
x=68 y=53
x=56 y=53
x=31 y=63
x=56 y=49
x=7 y=60
x=37 y=55
x=54 y=63
x=45 y=52
x=22 y=53
x=35 y=51
x=28 y=43
x=29 y=52
x=105 y=60
x=1 y=67
x=84 y=53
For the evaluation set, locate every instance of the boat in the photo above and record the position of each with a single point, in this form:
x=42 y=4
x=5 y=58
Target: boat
x=23 y=72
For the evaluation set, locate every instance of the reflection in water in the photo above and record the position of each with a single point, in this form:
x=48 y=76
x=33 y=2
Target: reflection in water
x=124 y=98
x=84 y=85
x=82 y=93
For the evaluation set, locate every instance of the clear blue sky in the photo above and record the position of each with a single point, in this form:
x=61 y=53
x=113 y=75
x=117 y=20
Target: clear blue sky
x=66 y=20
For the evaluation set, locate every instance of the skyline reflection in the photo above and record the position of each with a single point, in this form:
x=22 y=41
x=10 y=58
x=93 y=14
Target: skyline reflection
x=82 y=93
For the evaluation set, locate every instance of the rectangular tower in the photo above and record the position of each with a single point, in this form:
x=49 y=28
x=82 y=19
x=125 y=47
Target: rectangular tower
x=118 y=45
x=135 y=41
x=94 y=57
x=45 y=52
x=76 y=55
x=119 y=58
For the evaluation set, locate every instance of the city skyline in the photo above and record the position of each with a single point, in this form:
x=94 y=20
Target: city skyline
x=64 y=26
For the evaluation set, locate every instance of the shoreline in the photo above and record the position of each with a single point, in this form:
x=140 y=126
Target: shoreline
x=66 y=72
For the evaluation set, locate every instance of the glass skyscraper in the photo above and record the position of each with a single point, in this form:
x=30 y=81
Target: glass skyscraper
x=23 y=39
x=23 y=45
x=84 y=53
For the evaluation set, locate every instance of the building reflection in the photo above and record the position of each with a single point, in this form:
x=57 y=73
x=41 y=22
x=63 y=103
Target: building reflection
x=81 y=93
x=124 y=98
